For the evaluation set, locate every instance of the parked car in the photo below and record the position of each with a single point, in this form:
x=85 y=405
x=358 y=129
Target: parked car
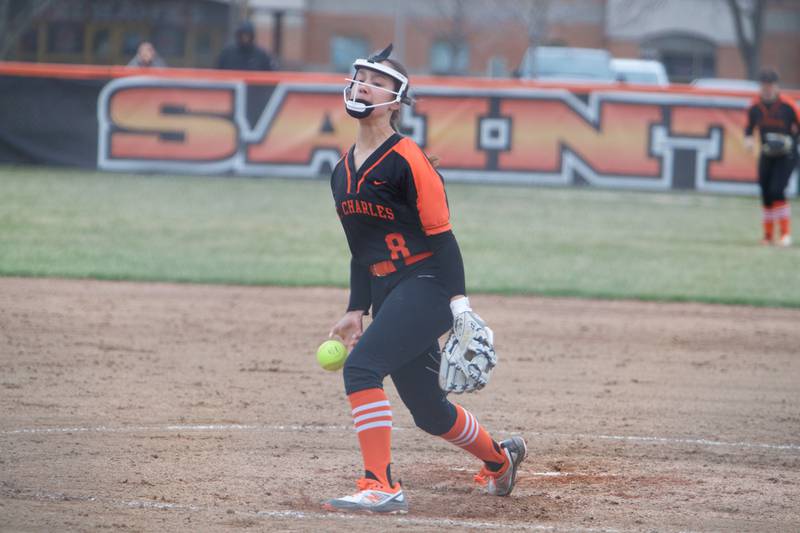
x=640 y=71
x=558 y=63
x=726 y=84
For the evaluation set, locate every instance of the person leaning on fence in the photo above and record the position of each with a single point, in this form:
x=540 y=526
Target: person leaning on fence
x=147 y=56
x=778 y=121
x=244 y=53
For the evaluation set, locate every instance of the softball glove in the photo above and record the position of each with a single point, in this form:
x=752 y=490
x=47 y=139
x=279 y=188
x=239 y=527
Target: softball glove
x=468 y=356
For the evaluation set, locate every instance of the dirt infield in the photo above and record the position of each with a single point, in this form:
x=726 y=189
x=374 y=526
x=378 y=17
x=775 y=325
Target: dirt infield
x=142 y=407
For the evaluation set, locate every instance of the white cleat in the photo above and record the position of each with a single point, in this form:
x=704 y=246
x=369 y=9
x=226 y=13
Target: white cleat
x=372 y=497
x=785 y=241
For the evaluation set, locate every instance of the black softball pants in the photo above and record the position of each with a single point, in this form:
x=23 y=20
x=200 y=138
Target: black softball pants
x=773 y=177
x=411 y=310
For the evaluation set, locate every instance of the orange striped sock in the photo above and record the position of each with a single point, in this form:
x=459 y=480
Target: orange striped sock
x=468 y=434
x=781 y=212
x=372 y=417
x=769 y=223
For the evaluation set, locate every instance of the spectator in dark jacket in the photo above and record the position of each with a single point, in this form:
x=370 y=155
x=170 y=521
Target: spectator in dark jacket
x=244 y=53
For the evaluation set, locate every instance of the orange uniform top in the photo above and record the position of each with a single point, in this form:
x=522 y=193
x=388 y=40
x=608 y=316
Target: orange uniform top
x=391 y=204
x=779 y=116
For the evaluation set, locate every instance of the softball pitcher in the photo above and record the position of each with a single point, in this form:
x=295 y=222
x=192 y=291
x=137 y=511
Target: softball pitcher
x=406 y=266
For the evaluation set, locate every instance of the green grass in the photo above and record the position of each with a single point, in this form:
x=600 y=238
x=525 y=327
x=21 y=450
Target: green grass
x=569 y=242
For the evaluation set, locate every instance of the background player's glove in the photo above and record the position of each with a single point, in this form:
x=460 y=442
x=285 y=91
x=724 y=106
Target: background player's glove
x=468 y=356
x=776 y=144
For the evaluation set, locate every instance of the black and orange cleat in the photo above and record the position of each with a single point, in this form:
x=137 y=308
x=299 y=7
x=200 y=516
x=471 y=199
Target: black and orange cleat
x=502 y=482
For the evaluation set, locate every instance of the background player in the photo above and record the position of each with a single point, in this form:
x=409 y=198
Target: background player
x=405 y=265
x=778 y=123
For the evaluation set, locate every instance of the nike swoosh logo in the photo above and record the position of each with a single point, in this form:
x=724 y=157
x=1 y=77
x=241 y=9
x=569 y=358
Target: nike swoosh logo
x=378 y=182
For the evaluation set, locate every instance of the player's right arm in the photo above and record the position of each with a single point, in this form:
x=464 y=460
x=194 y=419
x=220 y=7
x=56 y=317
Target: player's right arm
x=351 y=326
x=360 y=288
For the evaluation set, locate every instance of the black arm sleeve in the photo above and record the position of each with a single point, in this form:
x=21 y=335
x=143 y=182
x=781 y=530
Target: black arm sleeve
x=448 y=254
x=360 y=290
x=794 y=128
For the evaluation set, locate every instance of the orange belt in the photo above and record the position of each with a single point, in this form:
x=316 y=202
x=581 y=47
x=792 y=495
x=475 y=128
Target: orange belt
x=384 y=268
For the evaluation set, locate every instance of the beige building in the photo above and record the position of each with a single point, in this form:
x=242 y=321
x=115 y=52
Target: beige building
x=693 y=38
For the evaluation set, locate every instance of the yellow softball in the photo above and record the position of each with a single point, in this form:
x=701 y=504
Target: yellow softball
x=331 y=355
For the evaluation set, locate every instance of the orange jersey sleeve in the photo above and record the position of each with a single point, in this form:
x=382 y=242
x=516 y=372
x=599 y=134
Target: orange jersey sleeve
x=793 y=106
x=431 y=198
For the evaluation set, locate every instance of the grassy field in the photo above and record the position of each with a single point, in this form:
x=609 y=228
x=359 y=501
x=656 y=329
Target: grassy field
x=568 y=242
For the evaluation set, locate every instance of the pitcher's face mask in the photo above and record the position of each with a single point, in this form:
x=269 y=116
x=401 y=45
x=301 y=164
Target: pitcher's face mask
x=359 y=108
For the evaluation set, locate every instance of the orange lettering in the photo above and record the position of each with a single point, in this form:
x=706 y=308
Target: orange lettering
x=297 y=129
x=452 y=125
x=618 y=146
x=736 y=164
x=172 y=124
x=397 y=245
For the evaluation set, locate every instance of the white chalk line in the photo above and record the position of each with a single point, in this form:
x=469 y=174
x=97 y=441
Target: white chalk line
x=678 y=440
x=318 y=428
x=437 y=522
x=404 y=520
x=178 y=427
x=547 y=474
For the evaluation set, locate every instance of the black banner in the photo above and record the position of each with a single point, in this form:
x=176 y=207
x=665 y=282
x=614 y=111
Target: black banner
x=295 y=125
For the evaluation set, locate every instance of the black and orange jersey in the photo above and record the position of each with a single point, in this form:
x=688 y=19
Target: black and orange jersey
x=779 y=116
x=392 y=204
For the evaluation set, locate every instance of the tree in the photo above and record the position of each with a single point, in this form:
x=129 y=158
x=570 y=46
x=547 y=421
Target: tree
x=748 y=18
x=747 y=15
x=13 y=26
x=534 y=16
x=462 y=16
x=454 y=35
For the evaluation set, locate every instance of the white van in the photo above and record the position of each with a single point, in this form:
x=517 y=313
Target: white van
x=726 y=84
x=640 y=72
x=563 y=64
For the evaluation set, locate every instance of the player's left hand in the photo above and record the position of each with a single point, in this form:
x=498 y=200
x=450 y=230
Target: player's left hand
x=468 y=356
